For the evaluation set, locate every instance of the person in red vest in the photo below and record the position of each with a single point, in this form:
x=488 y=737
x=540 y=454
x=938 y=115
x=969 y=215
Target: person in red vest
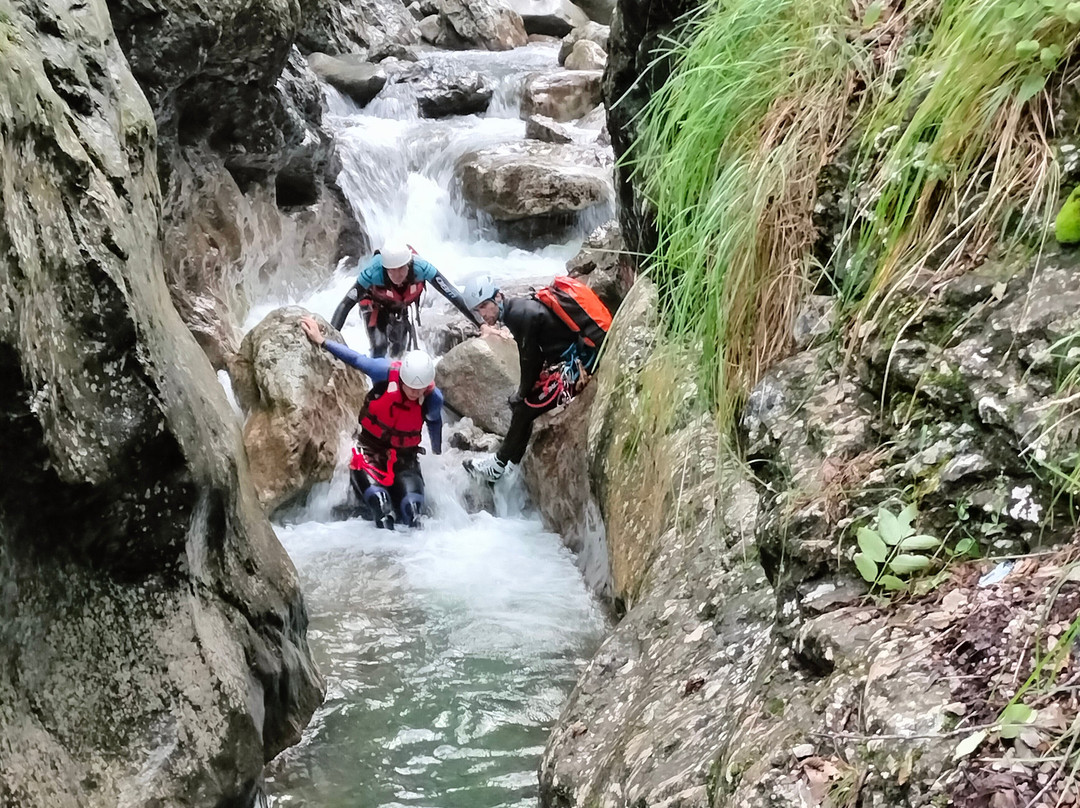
x=393 y=280
x=385 y=469
x=559 y=330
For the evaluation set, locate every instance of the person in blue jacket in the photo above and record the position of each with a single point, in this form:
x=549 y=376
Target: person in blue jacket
x=385 y=469
x=393 y=280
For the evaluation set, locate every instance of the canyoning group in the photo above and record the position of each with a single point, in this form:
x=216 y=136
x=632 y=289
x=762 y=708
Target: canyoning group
x=559 y=330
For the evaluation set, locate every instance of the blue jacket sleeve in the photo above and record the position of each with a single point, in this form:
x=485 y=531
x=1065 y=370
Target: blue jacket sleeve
x=372 y=274
x=377 y=369
x=433 y=404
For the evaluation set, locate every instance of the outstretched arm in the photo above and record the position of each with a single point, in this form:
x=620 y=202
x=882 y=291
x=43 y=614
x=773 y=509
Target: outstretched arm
x=377 y=369
x=450 y=292
x=345 y=306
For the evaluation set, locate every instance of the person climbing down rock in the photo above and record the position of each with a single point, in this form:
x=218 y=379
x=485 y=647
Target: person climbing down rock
x=559 y=330
x=385 y=469
x=393 y=280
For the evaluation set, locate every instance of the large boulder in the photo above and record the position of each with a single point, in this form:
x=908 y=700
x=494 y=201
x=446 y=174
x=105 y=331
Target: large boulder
x=532 y=179
x=564 y=95
x=604 y=265
x=586 y=55
x=298 y=401
x=478 y=376
x=342 y=26
x=592 y=32
x=549 y=17
x=361 y=81
x=447 y=90
x=152 y=631
x=486 y=24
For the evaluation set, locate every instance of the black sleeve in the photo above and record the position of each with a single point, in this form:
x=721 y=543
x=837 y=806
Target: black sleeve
x=530 y=358
x=450 y=292
x=345 y=306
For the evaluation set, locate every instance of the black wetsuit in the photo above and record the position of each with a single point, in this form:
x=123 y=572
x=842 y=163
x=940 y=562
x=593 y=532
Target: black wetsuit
x=542 y=338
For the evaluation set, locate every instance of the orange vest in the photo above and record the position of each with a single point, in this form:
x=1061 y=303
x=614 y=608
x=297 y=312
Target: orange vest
x=389 y=416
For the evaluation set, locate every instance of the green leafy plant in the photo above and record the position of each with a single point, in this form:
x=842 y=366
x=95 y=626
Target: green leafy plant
x=891 y=551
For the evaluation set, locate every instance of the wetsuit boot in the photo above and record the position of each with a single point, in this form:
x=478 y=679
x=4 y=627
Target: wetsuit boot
x=378 y=499
x=412 y=510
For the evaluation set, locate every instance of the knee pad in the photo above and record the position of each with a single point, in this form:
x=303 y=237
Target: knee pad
x=412 y=508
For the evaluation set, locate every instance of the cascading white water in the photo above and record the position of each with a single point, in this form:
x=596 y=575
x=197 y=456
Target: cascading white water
x=447 y=651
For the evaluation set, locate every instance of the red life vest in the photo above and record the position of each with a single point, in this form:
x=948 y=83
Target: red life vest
x=389 y=416
x=397 y=298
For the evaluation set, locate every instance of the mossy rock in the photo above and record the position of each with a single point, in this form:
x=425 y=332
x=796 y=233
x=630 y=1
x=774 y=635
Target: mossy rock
x=1067 y=226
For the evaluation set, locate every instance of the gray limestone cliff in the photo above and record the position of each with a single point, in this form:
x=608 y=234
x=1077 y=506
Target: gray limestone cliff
x=152 y=627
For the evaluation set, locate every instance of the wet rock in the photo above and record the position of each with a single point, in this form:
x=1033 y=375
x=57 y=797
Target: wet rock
x=442 y=91
x=523 y=180
x=393 y=51
x=549 y=17
x=467 y=436
x=546 y=130
x=431 y=28
x=540 y=127
x=604 y=266
x=599 y=10
x=152 y=630
x=562 y=95
x=298 y=401
x=557 y=474
x=341 y=26
x=221 y=240
x=361 y=82
x=443 y=327
x=477 y=377
x=593 y=32
x=586 y=55
x=485 y=24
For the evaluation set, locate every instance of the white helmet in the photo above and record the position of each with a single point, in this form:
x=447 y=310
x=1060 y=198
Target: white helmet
x=395 y=254
x=417 y=370
x=478 y=290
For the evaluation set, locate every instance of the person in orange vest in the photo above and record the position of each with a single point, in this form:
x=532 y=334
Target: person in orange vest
x=559 y=331
x=393 y=280
x=385 y=468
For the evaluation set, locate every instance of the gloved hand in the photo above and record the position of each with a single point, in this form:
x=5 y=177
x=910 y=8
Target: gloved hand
x=514 y=398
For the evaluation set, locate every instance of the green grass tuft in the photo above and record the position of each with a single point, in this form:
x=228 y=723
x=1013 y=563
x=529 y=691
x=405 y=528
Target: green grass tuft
x=952 y=159
x=729 y=152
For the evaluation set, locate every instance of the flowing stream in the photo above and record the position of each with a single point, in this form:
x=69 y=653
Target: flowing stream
x=448 y=652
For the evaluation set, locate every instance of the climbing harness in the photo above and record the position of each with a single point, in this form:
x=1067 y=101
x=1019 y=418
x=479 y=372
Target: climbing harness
x=379 y=476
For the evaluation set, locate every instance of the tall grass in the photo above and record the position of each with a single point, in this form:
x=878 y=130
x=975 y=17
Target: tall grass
x=728 y=152
x=952 y=154
x=959 y=156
